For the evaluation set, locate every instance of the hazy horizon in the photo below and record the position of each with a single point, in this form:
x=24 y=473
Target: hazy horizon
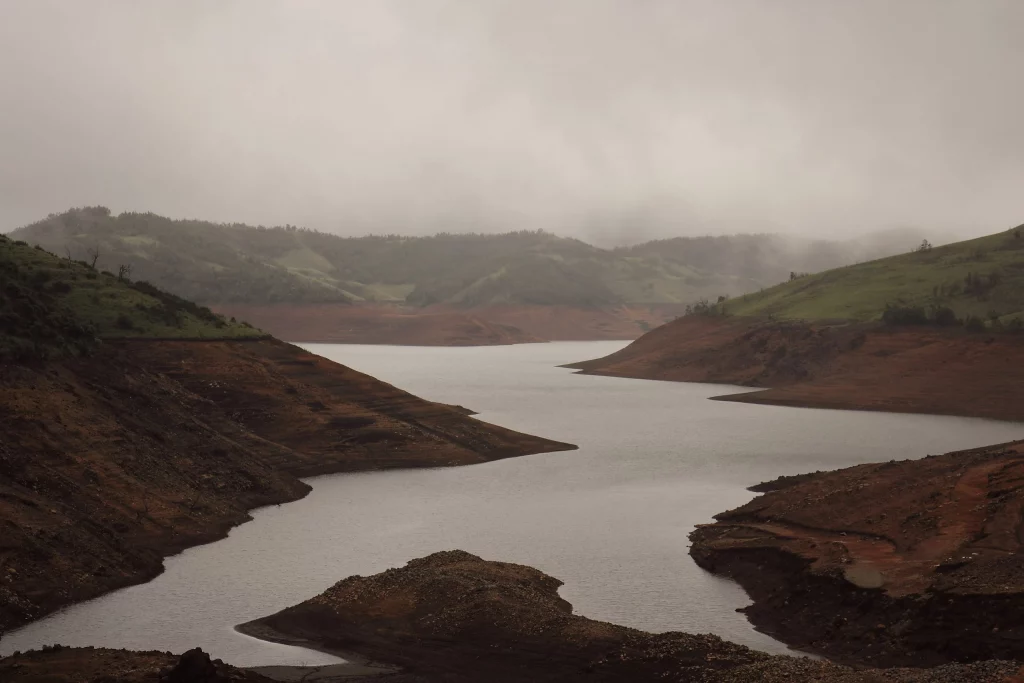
x=607 y=120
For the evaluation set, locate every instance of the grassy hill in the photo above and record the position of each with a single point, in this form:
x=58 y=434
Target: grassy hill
x=981 y=278
x=222 y=264
x=52 y=306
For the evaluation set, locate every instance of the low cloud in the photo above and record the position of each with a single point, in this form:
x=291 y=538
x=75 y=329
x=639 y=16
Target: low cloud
x=610 y=120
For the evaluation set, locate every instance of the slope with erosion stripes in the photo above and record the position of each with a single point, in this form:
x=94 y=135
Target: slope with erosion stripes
x=853 y=366
x=916 y=561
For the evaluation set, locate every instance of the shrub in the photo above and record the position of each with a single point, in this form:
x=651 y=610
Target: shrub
x=944 y=316
x=899 y=314
x=974 y=324
x=124 y=322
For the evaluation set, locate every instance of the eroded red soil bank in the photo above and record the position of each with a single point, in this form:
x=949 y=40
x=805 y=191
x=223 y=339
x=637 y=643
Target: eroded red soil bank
x=861 y=367
x=885 y=564
x=111 y=462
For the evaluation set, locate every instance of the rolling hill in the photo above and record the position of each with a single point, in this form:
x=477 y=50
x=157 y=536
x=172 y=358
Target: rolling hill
x=220 y=263
x=54 y=306
x=983 y=278
x=447 y=289
x=933 y=331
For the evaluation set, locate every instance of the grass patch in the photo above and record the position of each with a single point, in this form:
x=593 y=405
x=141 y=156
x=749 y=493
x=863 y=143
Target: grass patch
x=52 y=306
x=981 y=278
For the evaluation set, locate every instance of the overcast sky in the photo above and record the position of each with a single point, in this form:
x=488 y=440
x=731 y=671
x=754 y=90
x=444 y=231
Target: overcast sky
x=589 y=117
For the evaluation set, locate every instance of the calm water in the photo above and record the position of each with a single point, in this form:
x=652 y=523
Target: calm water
x=610 y=519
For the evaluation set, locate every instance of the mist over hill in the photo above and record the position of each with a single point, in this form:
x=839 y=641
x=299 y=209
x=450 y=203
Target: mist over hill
x=236 y=263
x=980 y=279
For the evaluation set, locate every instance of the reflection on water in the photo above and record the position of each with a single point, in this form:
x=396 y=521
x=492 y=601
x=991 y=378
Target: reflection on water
x=611 y=519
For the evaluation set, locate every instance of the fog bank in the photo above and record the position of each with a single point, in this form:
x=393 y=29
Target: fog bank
x=611 y=120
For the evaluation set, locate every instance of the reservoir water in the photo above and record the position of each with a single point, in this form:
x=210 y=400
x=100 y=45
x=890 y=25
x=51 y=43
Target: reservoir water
x=610 y=520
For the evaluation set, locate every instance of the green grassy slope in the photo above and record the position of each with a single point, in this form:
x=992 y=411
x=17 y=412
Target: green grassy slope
x=51 y=306
x=983 y=277
x=221 y=263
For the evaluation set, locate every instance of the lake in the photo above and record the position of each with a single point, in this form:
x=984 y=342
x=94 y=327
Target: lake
x=610 y=520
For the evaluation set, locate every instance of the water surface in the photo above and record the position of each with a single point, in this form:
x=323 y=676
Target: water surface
x=611 y=519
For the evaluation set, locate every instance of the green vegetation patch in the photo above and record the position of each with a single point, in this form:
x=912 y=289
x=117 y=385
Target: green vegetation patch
x=216 y=263
x=52 y=306
x=979 y=279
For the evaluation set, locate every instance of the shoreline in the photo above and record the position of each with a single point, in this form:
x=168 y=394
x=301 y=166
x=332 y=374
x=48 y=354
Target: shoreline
x=355 y=666
x=255 y=416
x=903 y=563
x=856 y=366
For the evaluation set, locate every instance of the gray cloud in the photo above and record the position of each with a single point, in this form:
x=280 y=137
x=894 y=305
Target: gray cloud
x=590 y=117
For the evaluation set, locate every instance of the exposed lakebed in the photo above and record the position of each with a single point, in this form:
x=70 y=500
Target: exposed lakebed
x=611 y=519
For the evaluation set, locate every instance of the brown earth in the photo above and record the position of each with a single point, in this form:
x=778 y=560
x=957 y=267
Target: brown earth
x=917 y=561
x=448 y=326
x=57 y=664
x=821 y=365
x=454 y=617
x=111 y=462
x=98 y=665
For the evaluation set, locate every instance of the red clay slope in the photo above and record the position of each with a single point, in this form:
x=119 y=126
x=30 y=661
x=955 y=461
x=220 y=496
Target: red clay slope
x=851 y=366
x=110 y=462
x=919 y=561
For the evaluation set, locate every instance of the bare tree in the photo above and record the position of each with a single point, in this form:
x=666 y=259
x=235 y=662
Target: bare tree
x=67 y=250
x=123 y=272
x=94 y=255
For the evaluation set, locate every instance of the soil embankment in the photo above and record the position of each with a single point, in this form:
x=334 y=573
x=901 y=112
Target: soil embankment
x=454 y=617
x=917 y=561
x=95 y=665
x=448 y=325
x=821 y=365
x=111 y=462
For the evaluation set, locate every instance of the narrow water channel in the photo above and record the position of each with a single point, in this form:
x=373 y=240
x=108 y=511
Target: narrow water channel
x=611 y=519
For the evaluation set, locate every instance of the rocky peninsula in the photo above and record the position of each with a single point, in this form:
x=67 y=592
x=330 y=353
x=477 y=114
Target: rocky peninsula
x=455 y=617
x=915 y=562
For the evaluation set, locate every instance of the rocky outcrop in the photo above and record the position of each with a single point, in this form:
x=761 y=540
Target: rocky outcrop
x=455 y=617
x=863 y=366
x=901 y=562
x=110 y=462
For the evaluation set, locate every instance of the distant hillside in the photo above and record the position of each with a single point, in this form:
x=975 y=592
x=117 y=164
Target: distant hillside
x=767 y=259
x=53 y=306
x=224 y=264
x=983 y=278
